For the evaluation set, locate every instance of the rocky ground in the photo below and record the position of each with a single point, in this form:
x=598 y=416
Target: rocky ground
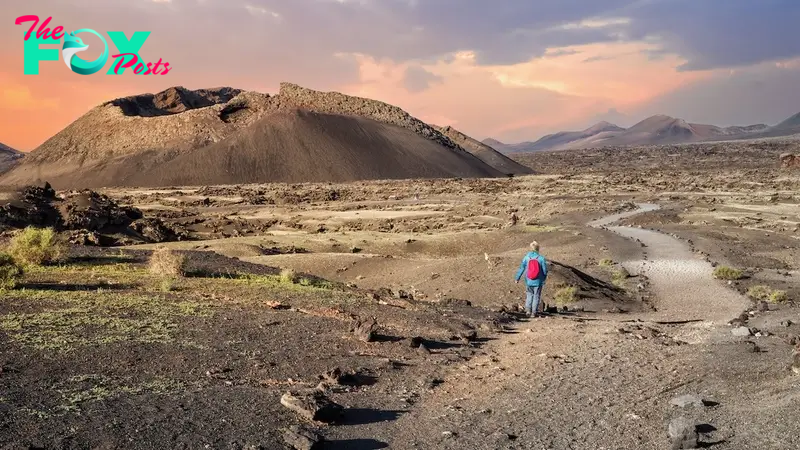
x=640 y=337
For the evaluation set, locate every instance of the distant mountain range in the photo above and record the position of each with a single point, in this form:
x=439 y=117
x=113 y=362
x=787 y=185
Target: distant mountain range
x=8 y=157
x=655 y=130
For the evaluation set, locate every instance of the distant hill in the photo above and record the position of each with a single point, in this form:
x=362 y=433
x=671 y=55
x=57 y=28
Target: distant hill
x=655 y=130
x=9 y=157
x=229 y=136
x=562 y=140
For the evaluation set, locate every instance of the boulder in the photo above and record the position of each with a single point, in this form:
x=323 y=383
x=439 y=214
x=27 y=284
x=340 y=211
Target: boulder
x=312 y=404
x=365 y=330
x=687 y=400
x=301 y=438
x=682 y=434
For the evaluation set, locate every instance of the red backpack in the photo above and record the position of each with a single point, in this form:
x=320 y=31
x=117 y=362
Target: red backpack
x=533 y=268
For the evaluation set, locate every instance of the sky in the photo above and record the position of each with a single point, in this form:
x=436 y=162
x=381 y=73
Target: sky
x=512 y=70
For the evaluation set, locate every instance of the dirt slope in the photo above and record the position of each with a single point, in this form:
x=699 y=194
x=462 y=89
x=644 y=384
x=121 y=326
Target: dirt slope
x=120 y=142
x=485 y=152
x=298 y=145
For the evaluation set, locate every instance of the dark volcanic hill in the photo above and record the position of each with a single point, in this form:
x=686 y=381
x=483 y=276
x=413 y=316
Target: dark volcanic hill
x=297 y=145
x=229 y=136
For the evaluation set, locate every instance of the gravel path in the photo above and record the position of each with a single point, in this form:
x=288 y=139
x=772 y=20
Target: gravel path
x=607 y=384
x=682 y=281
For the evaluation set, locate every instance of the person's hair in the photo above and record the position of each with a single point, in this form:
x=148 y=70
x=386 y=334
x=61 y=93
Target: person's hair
x=535 y=246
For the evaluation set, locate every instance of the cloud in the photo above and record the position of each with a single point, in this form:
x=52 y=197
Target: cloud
x=521 y=58
x=598 y=58
x=417 y=79
x=713 y=34
x=556 y=53
x=765 y=93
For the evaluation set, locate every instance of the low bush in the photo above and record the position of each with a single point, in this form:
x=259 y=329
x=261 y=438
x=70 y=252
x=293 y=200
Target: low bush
x=778 y=297
x=10 y=272
x=727 y=273
x=619 y=276
x=566 y=295
x=167 y=263
x=763 y=293
x=759 y=292
x=605 y=263
x=288 y=276
x=35 y=247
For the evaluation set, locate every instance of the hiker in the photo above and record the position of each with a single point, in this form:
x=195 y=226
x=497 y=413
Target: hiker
x=534 y=267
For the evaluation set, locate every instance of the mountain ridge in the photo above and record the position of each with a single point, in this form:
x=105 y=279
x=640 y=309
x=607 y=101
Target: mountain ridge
x=9 y=157
x=654 y=130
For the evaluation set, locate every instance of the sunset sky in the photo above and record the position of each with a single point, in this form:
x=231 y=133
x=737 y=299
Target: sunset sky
x=507 y=69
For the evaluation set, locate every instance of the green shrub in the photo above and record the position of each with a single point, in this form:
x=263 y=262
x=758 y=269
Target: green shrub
x=619 y=276
x=727 y=273
x=35 y=247
x=288 y=276
x=10 y=272
x=759 y=292
x=778 y=297
x=605 y=263
x=167 y=284
x=566 y=295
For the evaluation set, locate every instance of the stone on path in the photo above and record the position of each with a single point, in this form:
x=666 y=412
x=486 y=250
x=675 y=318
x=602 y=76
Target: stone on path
x=687 y=400
x=682 y=434
x=365 y=330
x=741 y=331
x=300 y=438
x=312 y=404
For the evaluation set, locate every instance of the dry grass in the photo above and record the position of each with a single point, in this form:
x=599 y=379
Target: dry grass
x=605 y=263
x=566 y=295
x=619 y=276
x=778 y=297
x=727 y=273
x=35 y=247
x=763 y=293
x=10 y=272
x=288 y=276
x=167 y=263
x=759 y=292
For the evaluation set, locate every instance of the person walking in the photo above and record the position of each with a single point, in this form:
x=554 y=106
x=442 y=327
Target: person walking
x=534 y=267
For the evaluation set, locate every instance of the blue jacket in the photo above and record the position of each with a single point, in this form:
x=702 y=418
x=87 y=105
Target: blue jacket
x=523 y=269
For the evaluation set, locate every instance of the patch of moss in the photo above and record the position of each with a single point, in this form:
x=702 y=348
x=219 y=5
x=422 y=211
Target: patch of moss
x=81 y=390
x=68 y=320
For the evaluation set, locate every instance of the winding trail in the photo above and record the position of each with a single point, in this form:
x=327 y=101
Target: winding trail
x=682 y=282
x=567 y=384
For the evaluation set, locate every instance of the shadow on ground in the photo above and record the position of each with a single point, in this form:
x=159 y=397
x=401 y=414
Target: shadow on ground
x=355 y=444
x=365 y=416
